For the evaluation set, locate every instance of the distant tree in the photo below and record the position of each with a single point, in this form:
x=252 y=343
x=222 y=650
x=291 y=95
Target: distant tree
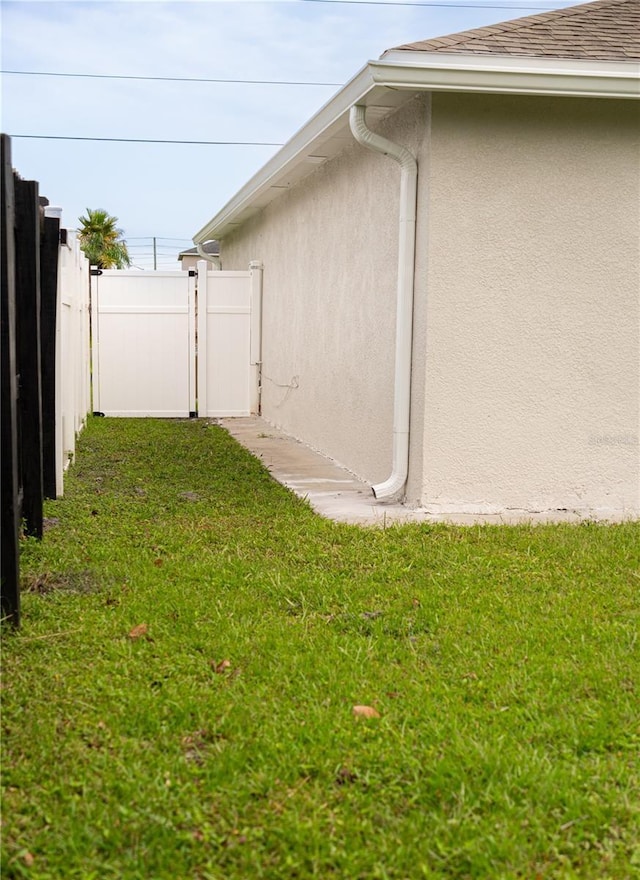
x=101 y=241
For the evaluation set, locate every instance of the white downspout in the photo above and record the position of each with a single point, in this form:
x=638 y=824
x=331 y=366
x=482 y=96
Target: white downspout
x=205 y=256
x=404 y=299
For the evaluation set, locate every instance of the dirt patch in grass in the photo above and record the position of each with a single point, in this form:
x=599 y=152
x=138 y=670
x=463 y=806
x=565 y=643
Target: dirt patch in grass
x=86 y=581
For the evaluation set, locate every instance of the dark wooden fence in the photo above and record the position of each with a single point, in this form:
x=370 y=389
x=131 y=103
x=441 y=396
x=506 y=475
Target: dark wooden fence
x=30 y=248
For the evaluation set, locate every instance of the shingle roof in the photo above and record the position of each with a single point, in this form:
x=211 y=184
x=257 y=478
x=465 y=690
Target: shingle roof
x=607 y=30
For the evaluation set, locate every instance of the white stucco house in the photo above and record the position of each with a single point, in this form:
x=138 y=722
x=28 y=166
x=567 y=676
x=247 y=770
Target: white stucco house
x=473 y=343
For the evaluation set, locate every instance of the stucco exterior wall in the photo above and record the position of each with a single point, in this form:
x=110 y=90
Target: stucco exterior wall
x=329 y=249
x=531 y=287
x=526 y=350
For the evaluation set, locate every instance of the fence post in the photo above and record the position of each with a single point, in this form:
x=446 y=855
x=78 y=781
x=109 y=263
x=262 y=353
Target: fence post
x=192 y=299
x=256 y=268
x=94 y=311
x=85 y=332
x=10 y=491
x=27 y=229
x=202 y=267
x=62 y=282
x=49 y=253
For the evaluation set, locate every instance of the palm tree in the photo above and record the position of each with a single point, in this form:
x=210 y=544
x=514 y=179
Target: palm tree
x=101 y=241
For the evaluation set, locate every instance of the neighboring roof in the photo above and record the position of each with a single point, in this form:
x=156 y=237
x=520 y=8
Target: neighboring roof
x=608 y=30
x=493 y=66
x=210 y=247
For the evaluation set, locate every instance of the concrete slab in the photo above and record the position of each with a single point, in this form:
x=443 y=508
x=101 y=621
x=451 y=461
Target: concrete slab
x=337 y=494
x=332 y=491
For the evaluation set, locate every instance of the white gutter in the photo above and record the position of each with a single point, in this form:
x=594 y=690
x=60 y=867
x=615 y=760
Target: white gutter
x=404 y=298
x=560 y=77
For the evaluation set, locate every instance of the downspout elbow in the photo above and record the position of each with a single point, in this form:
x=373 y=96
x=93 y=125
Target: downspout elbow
x=395 y=483
x=205 y=256
x=380 y=144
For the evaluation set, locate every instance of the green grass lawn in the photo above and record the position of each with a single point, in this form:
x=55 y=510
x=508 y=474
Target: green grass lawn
x=219 y=740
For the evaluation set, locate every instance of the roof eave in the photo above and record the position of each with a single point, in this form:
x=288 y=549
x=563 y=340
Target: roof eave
x=296 y=150
x=387 y=83
x=516 y=74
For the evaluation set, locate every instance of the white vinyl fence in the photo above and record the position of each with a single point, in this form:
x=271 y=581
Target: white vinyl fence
x=175 y=344
x=224 y=343
x=143 y=343
x=165 y=344
x=73 y=376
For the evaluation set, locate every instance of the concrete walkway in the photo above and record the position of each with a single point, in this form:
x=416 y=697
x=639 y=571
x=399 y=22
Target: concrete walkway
x=337 y=494
x=331 y=490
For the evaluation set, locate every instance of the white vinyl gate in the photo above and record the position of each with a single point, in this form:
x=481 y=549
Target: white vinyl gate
x=174 y=344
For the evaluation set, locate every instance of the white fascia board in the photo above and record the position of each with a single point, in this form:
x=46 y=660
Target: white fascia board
x=508 y=74
x=413 y=71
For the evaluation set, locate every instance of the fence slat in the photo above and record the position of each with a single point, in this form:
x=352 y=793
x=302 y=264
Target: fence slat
x=27 y=245
x=10 y=563
x=49 y=250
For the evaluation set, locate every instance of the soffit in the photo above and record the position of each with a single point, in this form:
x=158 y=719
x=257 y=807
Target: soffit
x=331 y=139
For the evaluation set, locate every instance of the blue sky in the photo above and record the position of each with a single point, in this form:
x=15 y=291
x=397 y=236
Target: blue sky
x=170 y=191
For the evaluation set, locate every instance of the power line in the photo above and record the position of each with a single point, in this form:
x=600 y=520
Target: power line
x=281 y=82
x=59 y=137
x=191 y=79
